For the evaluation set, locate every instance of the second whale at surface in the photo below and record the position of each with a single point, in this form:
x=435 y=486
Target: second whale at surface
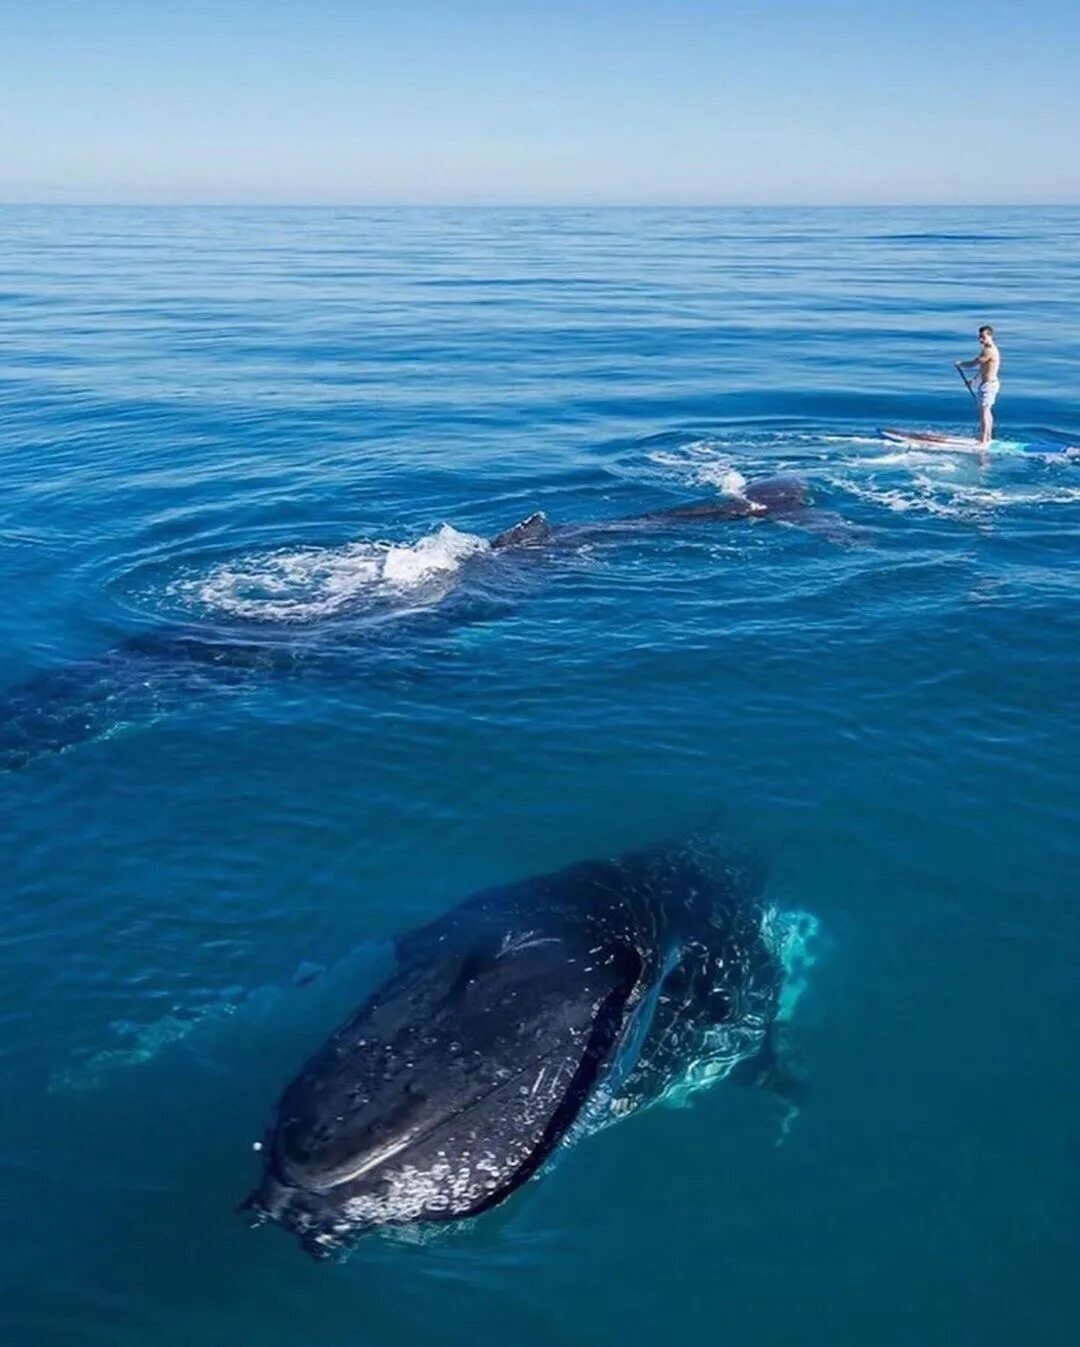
x=156 y=672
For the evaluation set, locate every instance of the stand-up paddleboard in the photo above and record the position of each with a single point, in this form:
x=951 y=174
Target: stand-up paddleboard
x=928 y=439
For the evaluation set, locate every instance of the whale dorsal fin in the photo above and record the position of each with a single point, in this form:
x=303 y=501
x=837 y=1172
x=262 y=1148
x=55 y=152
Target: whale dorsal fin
x=536 y=529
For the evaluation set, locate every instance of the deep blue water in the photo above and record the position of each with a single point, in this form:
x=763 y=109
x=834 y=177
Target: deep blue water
x=259 y=422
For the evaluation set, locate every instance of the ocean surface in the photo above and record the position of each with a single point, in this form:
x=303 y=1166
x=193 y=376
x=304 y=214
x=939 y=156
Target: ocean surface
x=294 y=430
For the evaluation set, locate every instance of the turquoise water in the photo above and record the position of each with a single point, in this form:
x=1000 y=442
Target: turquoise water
x=261 y=424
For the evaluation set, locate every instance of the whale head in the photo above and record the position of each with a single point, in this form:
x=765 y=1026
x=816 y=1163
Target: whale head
x=447 y=1090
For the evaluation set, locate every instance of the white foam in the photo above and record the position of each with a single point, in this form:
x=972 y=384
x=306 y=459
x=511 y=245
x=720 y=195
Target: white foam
x=914 y=498
x=728 y=480
x=718 y=472
x=792 y=933
x=667 y=458
x=907 y=458
x=438 y=552
x=933 y=492
x=310 y=583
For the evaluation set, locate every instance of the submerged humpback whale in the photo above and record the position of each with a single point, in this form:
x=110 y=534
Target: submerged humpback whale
x=153 y=672
x=523 y=1019
x=786 y=497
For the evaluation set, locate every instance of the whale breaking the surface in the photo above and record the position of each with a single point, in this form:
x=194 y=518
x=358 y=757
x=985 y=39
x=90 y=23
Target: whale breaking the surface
x=150 y=675
x=519 y=1021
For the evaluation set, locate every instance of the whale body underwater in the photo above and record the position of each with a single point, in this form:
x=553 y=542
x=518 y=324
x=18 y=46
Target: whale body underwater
x=521 y=1020
x=154 y=672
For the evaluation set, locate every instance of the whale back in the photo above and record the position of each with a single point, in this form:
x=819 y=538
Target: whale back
x=779 y=495
x=531 y=532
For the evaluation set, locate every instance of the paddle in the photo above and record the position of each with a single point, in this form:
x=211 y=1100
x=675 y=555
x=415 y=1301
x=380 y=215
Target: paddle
x=967 y=382
x=983 y=456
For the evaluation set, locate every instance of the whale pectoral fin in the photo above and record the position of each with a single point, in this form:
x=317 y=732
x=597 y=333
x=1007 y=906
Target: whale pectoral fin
x=779 y=1080
x=828 y=524
x=769 y=1072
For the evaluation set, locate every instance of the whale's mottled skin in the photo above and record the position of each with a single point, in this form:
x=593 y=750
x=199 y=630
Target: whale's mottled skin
x=775 y=497
x=518 y=1020
x=155 y=672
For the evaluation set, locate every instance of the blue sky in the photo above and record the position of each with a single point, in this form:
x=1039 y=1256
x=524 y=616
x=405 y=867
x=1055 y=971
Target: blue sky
x=608 y=101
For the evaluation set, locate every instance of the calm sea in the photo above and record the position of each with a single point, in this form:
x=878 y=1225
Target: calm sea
x=295 y=428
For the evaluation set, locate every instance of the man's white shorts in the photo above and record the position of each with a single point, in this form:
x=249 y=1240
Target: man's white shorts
x=987 y=393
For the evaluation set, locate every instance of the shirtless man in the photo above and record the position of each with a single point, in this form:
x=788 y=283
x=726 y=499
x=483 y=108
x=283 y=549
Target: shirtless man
x=986 y=390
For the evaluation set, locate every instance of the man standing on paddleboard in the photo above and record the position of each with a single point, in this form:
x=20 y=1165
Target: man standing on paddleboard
x=986 y=390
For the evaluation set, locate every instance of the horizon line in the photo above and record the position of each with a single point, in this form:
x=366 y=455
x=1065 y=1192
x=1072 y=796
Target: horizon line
x=200 y=204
